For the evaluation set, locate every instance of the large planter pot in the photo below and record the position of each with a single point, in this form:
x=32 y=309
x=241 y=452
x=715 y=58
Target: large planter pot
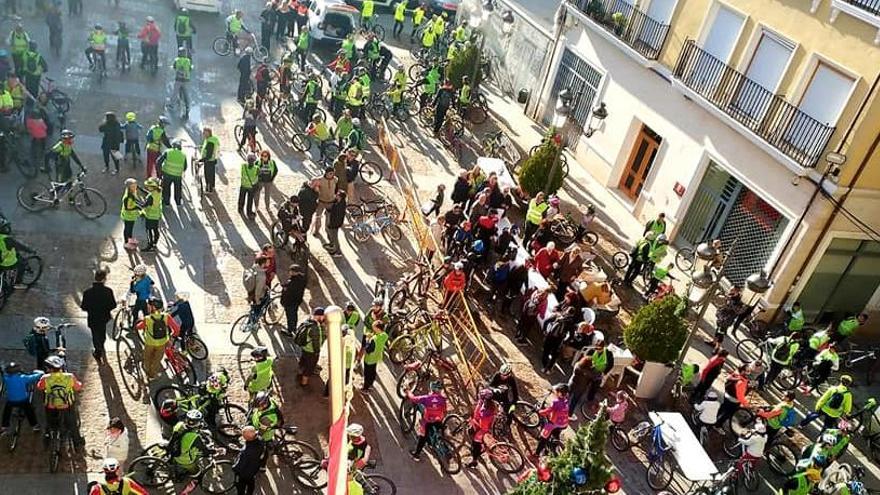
x=651 y=380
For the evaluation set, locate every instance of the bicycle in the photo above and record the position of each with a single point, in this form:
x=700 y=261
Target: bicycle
x=417 y=341
x=294 y=242
x=727 y=481
x=418 y=373
x=371 y=26
x=59 y=100
x=400 y=321
x=129 y=356
x=505 y=456
x=88 y=202
x=414 y=286
x=124 y=316
x=497 y=144
x=328 y=150
x=11 y=152
x=32 y=269
x=364 y=229
x=15 y=421
x=270 y=313
x=477 y=111
x=438 y=442
x=852 y=357
x=179 y=94
x=99 y=65
x=59 y=440
x=155 y=471
x=225 y=45
x=568 y=231
x=381 y=107
x=371 y=207
x=253 y=146
x=188 y=397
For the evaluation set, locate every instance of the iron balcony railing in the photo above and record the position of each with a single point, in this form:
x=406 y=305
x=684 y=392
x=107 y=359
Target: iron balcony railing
x=627 y=23
x=870 y=6
x=781 y=124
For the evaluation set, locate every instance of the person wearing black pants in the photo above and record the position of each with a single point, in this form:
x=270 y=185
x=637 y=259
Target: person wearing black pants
x=98 y=301
x=267 y=25
x=248 y=462
x=442 y=102
x=292 y=293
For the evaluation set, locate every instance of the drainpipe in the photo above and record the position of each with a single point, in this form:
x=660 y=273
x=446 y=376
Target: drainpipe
x=837 y=205
x=558 y=27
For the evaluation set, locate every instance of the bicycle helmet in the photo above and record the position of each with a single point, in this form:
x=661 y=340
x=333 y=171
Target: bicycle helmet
x=150 y=19
x=260 y=353
x=355 y=430
x=662 y=239
x=193 y=418
x=184 y=11
x=356 y=122
x=42 y=324
x=130 y=181
x=458 y=265
x=712 y=395
x=249 y=50
x=54 y=362
x=5 y=226
x=319 y=311
x=846 y=380
x=478 y=246
x=156 y=303
x=181 y=50
x=169 y=405
x=12 y=367
x=345 y=328
x=110 y=465
x=486 y=394
x=436 y=386
x=261 y=400
x=177 y=144
x=130 y=116
x=163 y=120
x=99 y=27
x=378 y=301
x=505 y=369
x=67 y=134
x=350 y=305
x=140 y=270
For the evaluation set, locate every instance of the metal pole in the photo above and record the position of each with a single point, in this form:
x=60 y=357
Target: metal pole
x=554 y=168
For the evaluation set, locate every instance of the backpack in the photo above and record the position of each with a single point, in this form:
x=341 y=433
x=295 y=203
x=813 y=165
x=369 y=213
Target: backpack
x=555 y=328
x=781 y=352
x=160 y=329
x=836 y=399
x=181 y=25
x=301 y=337
x=32 y=64
x=249 y=280
x=789 y=419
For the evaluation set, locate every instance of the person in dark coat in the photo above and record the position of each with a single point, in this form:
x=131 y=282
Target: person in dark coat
x=461 y=190
x=244 y=75
x=98 y=301
x=111 y=139
x=708 y=375
x=249 y=461
x=308 y=202
x=335 y=219
x=292 y=296
x=267 y=24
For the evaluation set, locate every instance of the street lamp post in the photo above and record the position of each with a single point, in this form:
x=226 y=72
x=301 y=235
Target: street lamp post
x=565 y=101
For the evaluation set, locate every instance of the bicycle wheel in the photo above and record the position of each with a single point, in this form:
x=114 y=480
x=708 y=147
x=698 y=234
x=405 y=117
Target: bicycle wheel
x=506 y=457
x=401 y=349
x=182 y=372
x=370 y=173
x=393 y=232
x=376 y=484
x=455 y=429
x=526 y=414
x=221 y=46
x=589 y=238
x=301 y=142
x=60 y=100
x=196 y=348
x=309 y=473
x=295 y=451
x=450 y=460
x=406 y=415
x=684 y=259
x=749 y=350
x=118 y=324
x=659 y=473
x=408 y=382
x=33 y=196
x=380 y=31
x=89 y=203
x=149 y=471
x=54 y=451
x=129 y=366
x=782 y=459
x=619 y=439
x=240 y=330
x=218 y=478
x=33 y=268
x=274 y=312
x=757 y=329
x=260 y=53
x=750 y=477
x=620 y=260
x=787 y=379
x=731 y=447
x=330 y=150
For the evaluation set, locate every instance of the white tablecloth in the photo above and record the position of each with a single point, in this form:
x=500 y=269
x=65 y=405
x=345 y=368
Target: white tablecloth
x=693 y=462
x=489 y=165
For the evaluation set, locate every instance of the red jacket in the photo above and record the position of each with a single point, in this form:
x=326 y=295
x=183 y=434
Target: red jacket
x=150 y=34
x=544 y=260
x=454 y=281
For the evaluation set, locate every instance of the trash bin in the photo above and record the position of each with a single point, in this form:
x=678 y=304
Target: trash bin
x=522 y=96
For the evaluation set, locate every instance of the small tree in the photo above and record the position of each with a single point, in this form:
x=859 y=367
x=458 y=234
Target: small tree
x=657 y=332
x=464 y=63
x=537 y=168
x=586 y=451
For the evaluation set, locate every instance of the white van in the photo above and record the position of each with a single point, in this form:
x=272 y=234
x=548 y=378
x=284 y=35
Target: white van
x=332 y=20
x=212 y=6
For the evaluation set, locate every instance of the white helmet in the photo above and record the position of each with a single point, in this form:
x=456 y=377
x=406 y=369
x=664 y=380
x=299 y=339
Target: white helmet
x=458 y=265
x=760 y=428
x=110 y=465
x=355 y=430
x=356 y=122
x=41 y=324
x=140 y=269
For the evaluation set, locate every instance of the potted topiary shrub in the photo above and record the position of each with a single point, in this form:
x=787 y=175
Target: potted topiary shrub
x=618 y=20
x=464 y=63
x=536 y=169
x=656 y=336
x=595 y=10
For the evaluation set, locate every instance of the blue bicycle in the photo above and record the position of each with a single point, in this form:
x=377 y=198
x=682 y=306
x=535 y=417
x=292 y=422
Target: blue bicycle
x=660 y=467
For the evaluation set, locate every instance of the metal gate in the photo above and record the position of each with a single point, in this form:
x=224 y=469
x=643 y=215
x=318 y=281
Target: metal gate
x=725 y=209
x=582 y=80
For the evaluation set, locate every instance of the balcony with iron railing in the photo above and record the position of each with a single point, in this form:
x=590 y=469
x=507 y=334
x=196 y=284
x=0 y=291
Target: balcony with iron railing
x=867 y=11
x=752 y=108
x=628 y=24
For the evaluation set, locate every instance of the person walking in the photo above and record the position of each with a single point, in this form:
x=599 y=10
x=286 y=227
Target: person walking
x=835 y=403
x=292 y=293
x=335 y=219
x=173 y=165
x=399 y=18
x=111 y=140
x=210 y=151
x=266 y=174
x=244 y=75
x=98 y=301
x=308 y=202
x=250 y=172
x=311 y=347
x=152 y=212
x=185 y=30
x=249 y=461
x=156 y=138
x=131 y=211
x=326 y=196
x=56 y=27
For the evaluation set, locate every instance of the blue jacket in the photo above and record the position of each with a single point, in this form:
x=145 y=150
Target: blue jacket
x=143 y=288
x=18 y=385
x=183 y=311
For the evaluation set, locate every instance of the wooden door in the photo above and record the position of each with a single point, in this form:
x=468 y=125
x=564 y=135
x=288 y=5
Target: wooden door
x=639 y=164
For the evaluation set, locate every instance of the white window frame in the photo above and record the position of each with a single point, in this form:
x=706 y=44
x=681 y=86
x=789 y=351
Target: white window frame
x=709 y=20
x=809 y=72
x=752 y=48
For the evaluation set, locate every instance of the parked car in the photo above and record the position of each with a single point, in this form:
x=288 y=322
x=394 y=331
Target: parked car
x=450 y=7
x=212 y=6
x=330 y=21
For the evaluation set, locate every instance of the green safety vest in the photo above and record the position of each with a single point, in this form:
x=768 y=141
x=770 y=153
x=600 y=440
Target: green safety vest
x=657 y=252
x=98 y=40
x=792 y=346
x=353 y=319
x=59 y=391
x=797 y=321
x=262 y=376
x=536 y=212
x=154 y=137
x=235 y=25
x=439 y=26
x=355 y=94
x=149 y=322
x=182 y=26
x=154 y=211
x=216 y=151
x=450 y=52
x=311 y=92
x=848 y=326
x=17 y=94
x=348 y=48
x=302 y=42
x=657 y=227
x=776 y=421
x=175 y=163
x=8 y=255
x=267 y=169
x=309 y=346
x=250 y=175
x=349 y=356
x=343 y=127
x=660 y=272
x=819 y=339
x=804 y=485
x=32 y=63
x=130 y=211
x=428 y=38
x=62 y=149
x=375 y=357
x=183 y=66
x=400 y=12
x=367 y=12
x=433 y=79
x=464 y=96
x=418 y=15
x=600 y=361
x=189 y=454
x=6 y=102
x=396 y=94
x=272 y=413
x=638 y=249
x=835 y=412
x=19 y=42
x=460 y=34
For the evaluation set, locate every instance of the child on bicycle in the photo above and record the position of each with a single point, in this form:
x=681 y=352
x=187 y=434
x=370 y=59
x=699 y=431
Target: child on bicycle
x=19 y=390
x=708 y=409
x=249 y=128
x=554 y=418
x=480 y=423
x=617 y=411
x=123 y=54
x=753 y=443
x=181 y=310
x=434 y=412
